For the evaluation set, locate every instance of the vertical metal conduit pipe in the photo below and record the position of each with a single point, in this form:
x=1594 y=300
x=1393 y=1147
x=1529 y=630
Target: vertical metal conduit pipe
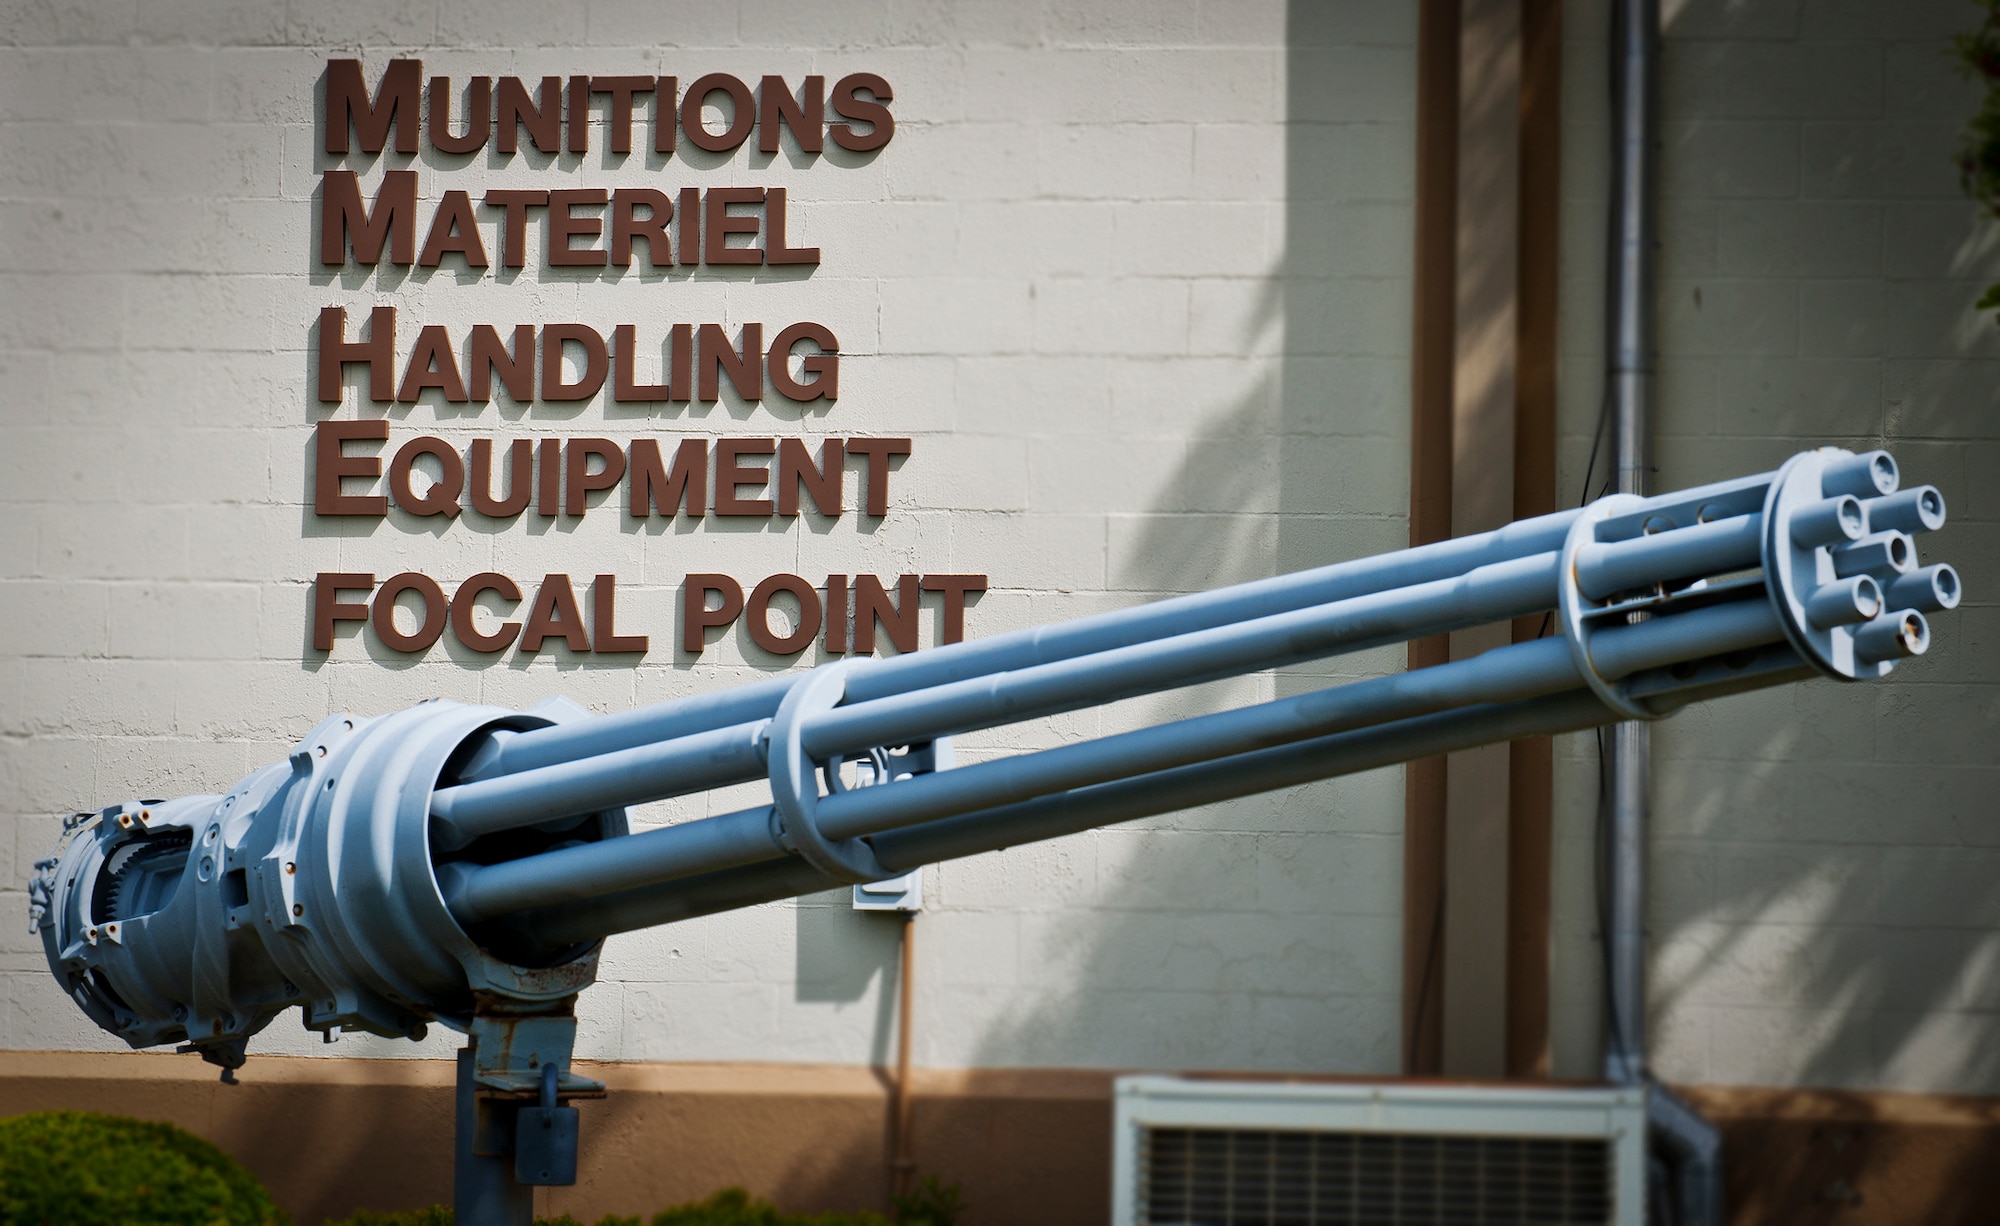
x=1635 y=41
x=902 y=1166
x=1690 y=1143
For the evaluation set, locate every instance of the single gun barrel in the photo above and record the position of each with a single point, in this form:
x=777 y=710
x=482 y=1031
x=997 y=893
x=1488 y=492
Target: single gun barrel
x=461 y=864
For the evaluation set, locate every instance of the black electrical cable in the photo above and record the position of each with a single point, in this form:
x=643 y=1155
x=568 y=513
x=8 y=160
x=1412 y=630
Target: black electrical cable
x=1589 y=471
x=1602 y=890
x=1432 y=949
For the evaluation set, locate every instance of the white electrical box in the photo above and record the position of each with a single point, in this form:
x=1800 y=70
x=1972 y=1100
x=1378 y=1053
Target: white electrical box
x=904 y=893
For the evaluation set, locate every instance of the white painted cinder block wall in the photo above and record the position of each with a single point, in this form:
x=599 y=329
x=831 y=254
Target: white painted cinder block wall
x=1133 y=276
x=1826 y=906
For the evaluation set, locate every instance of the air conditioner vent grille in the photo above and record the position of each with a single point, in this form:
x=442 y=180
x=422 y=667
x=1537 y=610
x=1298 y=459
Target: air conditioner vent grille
x=1249 y=1177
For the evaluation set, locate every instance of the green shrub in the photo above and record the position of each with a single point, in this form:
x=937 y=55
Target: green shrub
x=79 y=1168
x=1978 y=54
x=433 y=1215
x=733 y=1207
x=930 y=1204
x=439 y=1215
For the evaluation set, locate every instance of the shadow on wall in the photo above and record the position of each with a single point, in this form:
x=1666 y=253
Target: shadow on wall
x=1831 y=1158
x=1823 y=909
x=1261 y=934
x=841 y=953
x=381 y=1126
x=1826 y=847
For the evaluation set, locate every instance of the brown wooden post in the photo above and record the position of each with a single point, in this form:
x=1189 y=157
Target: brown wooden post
x=1530 y=798
x=1432 y=358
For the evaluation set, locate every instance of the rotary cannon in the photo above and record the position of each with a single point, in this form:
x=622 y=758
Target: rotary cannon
x=462 y=864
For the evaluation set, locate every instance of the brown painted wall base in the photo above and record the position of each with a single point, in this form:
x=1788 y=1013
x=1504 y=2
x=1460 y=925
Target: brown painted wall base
x=331 y=1136
x=1820 y=1157
x=1030 y=1145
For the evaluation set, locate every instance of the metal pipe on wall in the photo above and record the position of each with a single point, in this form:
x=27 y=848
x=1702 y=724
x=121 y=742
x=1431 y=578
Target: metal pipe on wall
x=1690 y=1143
x=902 y=1165
x=1635 y=88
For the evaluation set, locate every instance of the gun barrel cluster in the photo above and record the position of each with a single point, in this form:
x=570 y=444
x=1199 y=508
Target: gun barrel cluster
x=1672 y=602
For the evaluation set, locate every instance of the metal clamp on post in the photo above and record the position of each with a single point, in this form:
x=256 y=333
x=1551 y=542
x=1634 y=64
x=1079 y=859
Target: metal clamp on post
x=1673 y=585
x=795 y=783
x=513 y=1051
x=545 y=1138
x=1583 y=617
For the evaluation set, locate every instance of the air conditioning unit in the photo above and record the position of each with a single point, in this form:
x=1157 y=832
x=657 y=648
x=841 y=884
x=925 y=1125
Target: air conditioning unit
x=1193 y=1152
